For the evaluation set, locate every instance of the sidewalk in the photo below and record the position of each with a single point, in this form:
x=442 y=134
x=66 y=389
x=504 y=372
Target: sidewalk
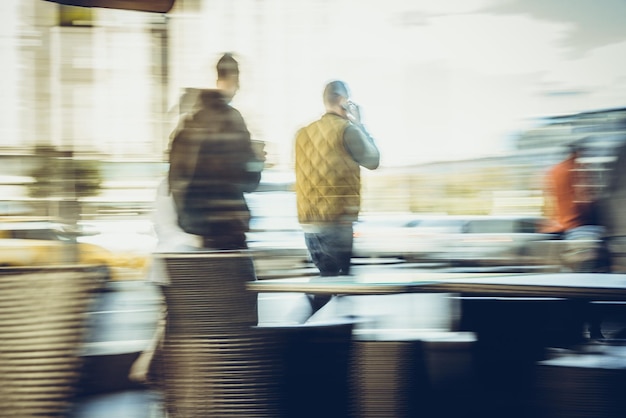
x=140 y=403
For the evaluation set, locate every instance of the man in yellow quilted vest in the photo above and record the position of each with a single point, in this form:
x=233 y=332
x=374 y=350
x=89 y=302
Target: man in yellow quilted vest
x=329 y=154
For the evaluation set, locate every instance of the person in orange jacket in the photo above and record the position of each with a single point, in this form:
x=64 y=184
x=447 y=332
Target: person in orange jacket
x=570 y=209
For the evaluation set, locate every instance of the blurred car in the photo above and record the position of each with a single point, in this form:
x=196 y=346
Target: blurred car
x=37 y=242
x=120 y=236
x=479 y=240
x=276 y=238
x=274 y=232
x=383 y=235
x=277 y=244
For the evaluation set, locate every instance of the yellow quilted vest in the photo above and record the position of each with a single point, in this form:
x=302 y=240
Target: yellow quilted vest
x=328 y=180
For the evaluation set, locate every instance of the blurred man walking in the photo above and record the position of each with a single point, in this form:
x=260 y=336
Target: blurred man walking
x=328 y=155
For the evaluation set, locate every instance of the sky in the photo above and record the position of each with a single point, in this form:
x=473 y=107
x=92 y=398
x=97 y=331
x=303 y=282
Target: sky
x=483 y=69
x=436 y=80
x=457 y=79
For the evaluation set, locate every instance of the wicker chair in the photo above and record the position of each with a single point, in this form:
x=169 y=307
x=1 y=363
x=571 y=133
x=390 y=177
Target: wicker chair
x=401 y=373
x=217 y=363
x=208 y=348
x=583 y=384
x=42 y=325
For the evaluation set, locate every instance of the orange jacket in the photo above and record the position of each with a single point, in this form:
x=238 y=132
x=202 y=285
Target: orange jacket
x=565 y=204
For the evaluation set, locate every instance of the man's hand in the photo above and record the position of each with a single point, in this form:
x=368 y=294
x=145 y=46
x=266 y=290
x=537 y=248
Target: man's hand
x=258 y=147
x=353 y=113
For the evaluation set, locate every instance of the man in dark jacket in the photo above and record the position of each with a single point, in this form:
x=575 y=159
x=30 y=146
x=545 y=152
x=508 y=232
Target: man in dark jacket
x=212 y=164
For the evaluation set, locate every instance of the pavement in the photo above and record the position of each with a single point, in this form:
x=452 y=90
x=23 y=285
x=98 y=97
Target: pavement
x=121 y=326
x=137 y=403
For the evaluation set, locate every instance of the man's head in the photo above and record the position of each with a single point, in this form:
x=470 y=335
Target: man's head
x=336 y=97
x=228 y=75
x=577 y=147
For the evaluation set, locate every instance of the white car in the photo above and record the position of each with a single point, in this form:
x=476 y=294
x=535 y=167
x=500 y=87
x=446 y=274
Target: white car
x=479 y=240
x=383 y=235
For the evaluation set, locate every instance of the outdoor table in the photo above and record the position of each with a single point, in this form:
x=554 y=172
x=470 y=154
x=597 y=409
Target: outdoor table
x=376 y=283
x=513 y=294
x=590 y=286
x=514 y=324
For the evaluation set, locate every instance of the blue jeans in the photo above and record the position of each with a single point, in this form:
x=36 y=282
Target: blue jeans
x=330 y=248
x=588 y=252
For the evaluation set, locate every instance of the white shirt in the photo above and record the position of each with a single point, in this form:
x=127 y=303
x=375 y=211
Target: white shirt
x=170 y=236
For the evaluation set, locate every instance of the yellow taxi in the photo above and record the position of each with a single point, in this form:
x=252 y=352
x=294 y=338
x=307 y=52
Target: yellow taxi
x=40 y=242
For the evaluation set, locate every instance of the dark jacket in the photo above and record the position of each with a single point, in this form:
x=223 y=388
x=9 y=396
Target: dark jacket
x=212 y=164
x=613 y=203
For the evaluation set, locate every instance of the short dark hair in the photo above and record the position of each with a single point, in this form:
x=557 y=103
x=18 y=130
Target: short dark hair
x=227 y=66
x=578 y=146
x=334 y=91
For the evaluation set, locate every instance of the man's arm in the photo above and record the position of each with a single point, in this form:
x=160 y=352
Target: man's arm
x=253 y=161
x=361 y=146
